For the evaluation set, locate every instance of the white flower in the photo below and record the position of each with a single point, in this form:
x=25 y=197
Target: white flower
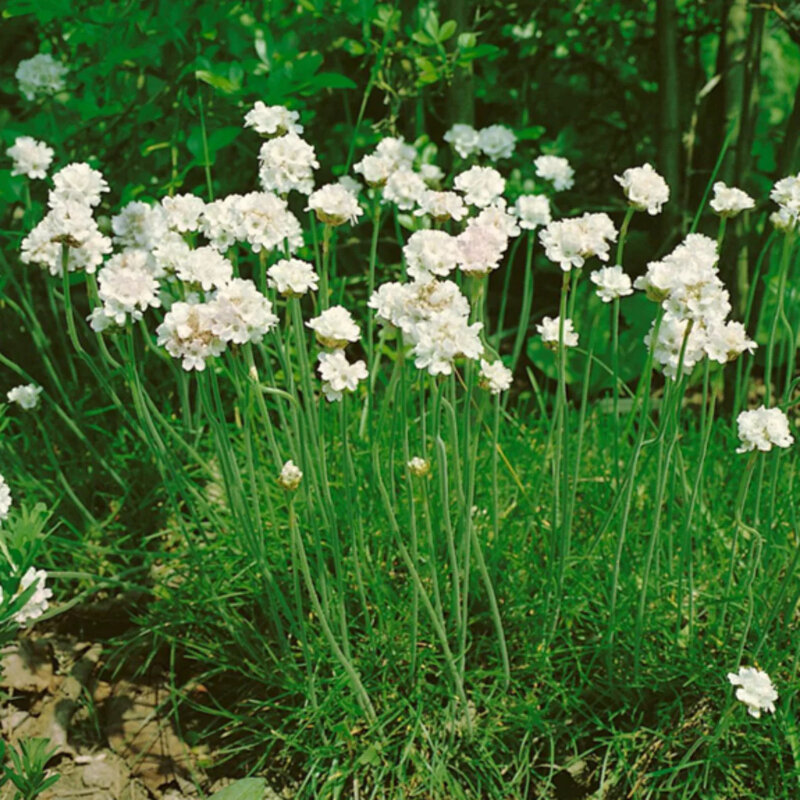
x=497 y=142
x=241 y=313
x=557 y=170
x=206 y=267
x=611 y=283
x=430 y=253
x=338 y=375
x=729 y=201
x=405 y=188
x=126 y=286
x=549 y=330
x=419 y=467
x=569 y=242
x=25 y=396
x=498 y=217
x=78 y=183
x=786 y=193
x=480 y=248
x=397 y=151
x=725 y=341
x=221 y=223
x=290 y=476
x=183 y=212
x=37 y=603
x=292 y=277
x=31 y=158
x=169 y=254
x=351 y=184
x=287 y=164
x=755 y=690
x=442 y=338
x=264 y=221
x=72 y=224
x=533 y=211
x=495 y=377
x=645 y=189
x=375 y=169
x=762 y=428
x=673 y=349
x=140 y=225
x=464 y=139
x=334 y=327
x=187 y=332
x=441 y=206
x=481 y=186
x=5 y=499
x=272 y=120
x=334 y=205
x=431 y=173
x=41 y=74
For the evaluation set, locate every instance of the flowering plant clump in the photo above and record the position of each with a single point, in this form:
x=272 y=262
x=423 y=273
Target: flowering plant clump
x=755 y=690
x=762 y=429
x=26 y=397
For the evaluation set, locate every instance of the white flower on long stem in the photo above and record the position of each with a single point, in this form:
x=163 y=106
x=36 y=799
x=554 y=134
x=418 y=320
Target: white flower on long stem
x=375 y=169
x=140 y=225
x=480 y=248
x=430 y=253
x=441 y=206
x=533 y=211
x=464 y=139
x=26 y=396
x=405 y=188
x=755 y=690
x=497 y=141
x=480 y=186
x=338 y=375
x=127 y=287
x=78 y=183
x=187 y=332
x=290 y=476
x=419 y=467
x=287 y=164
x=183 y=212
x=206 y=268
x=241 y=313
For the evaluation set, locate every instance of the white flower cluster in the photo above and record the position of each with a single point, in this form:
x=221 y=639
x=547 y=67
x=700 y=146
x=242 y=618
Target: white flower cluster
x=569 y=242
x=335 y=329
x=645 y=189
x=40 y=75
x=292 y=277
x=495 y=377
x=481 y=186
x=755 y=690
x=495 y=141
x=334 y=205
x=290 y=476
x=533 y=211
x=786 y=193
x=434 y=319
x=69 y=222
x=611 y=282
x=696 y=305
x=762 y=429
x=287 y=164
x=31 y=158
x=26 y=396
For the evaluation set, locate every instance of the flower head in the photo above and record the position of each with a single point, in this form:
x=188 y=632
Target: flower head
x=729 y=201
x=334 y=327
x=762 y=428
x=645 y=189
x=419 y=467
x=338 y=375
x=272 y=120
x=557 y=170
x=334 y=205
x=287 y=164
x=290 y=476
x=533 y=211
x=497 y=142
x=464 y=139
x=611 y=283
x=430 y=253
x=549 y=330
x=40 y=75
x=37 y=603
x=755 y=690
x=31 y=158
x=292 y=277
x=496 y=377
x=5 y=499
x=480 y=186
x=78 y=183
x=25 y=396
